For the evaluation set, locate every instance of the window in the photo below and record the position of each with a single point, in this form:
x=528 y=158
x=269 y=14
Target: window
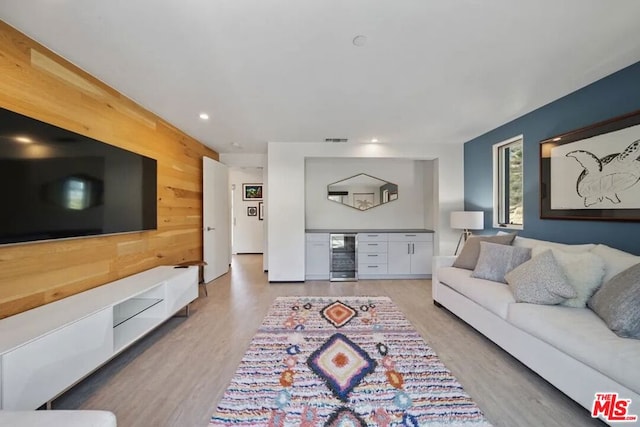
x=507 y=184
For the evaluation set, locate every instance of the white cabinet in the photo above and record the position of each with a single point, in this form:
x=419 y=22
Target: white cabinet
x=46 y=350
x=39 y=370
x=388 y=255
x=410 y=254
x=372 y=255
x=317 y=263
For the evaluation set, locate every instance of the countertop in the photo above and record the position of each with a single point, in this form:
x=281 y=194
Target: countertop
x=368 y=230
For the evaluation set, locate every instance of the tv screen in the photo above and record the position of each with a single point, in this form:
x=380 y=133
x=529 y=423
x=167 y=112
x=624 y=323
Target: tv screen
x=58 y=184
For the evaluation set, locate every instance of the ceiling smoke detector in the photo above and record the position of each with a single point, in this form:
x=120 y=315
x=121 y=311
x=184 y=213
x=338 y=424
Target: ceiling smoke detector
x=335 y=140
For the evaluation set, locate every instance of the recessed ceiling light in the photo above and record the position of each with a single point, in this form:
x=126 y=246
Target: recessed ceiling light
x=236 y=144
x=556 y=139
x=359 y=40
x=374 y=140
x=23 y=139
x=204 y=116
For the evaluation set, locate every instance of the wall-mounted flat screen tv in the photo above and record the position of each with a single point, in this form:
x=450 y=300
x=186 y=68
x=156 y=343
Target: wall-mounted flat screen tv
x=58 y=184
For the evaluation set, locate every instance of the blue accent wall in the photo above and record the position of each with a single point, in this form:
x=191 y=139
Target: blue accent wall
x=609 y=97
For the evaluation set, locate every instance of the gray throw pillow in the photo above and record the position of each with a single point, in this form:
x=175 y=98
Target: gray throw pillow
x=468 y=257
x=617 y=302
x=497 y=260
x=541 y=280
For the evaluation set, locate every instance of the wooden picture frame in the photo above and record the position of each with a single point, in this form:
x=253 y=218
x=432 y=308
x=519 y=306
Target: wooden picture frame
x=252 y=191
x=593 y=173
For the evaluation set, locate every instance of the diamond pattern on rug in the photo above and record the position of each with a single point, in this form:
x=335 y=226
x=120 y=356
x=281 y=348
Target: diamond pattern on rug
x=345 y=417
x=338 y=313
x=342 y=364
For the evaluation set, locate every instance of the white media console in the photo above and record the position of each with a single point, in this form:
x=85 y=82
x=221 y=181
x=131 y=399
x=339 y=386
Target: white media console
x=48 y=349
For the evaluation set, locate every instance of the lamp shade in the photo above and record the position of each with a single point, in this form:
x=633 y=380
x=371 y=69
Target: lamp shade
x=467 y=220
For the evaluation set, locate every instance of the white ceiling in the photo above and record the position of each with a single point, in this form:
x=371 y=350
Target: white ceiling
x=287 y=70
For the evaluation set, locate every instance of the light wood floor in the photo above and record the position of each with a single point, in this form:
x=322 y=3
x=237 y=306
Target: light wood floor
x=177 y=374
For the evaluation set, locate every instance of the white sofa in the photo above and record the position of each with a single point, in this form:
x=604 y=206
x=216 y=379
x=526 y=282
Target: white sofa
x=57 y=419
x=572 y=348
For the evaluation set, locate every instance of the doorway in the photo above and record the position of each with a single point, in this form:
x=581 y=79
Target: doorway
x=246 y=210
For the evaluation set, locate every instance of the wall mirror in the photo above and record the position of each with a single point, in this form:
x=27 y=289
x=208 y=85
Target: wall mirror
x=362 y=192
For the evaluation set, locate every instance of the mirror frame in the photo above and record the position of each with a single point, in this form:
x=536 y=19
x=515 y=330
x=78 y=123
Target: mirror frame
x=354 y=207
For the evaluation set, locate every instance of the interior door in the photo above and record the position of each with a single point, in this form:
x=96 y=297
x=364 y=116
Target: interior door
x=216 y=235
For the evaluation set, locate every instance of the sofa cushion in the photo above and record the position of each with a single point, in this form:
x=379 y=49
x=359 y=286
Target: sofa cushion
x=58 y=418
x=584 y=272
x=497 y=260
x=471 y=250
x=581 y=334
x=493 y=296
x=526 y=242
x=617 y=302
x=541 y=280
x=615 y=260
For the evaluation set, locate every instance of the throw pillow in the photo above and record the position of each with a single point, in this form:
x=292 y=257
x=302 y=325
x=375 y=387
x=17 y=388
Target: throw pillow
x=583 y=270
x=527 y=242
x=617 y=302
x=541 y=280
x=468 y=257
x=497 y=260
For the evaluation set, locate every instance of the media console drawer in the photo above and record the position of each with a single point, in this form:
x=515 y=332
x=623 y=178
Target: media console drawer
x=46 y=350
x=40 y=369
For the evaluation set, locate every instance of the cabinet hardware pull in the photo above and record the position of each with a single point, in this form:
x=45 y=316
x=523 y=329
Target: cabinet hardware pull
x=372 y=244
x=410 y=235
x=372 y=255
x=409 y=248
x=372 y=235
x=372 y=266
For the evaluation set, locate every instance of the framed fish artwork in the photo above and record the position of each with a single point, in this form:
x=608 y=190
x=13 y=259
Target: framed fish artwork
x=593 y=173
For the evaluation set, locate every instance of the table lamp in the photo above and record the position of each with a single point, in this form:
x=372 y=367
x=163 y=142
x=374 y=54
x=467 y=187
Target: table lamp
x=466 y=221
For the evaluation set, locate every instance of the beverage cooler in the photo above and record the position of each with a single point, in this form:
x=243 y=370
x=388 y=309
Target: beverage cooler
x=344 y=265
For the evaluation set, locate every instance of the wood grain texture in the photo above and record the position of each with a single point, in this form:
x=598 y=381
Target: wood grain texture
x=177 y=375
x=39 y=84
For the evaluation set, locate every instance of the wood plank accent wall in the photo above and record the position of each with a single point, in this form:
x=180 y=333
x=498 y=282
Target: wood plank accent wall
x=39 y=84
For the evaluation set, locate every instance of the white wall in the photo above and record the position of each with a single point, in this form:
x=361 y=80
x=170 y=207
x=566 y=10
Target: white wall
x=430 y=188
x=286 y=190
x=405 y=212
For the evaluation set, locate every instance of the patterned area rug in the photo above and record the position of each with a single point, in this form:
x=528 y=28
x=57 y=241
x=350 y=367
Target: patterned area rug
x=347 y=361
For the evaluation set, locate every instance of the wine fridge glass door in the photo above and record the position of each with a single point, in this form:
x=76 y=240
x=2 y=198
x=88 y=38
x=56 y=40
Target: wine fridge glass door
x=343 y=258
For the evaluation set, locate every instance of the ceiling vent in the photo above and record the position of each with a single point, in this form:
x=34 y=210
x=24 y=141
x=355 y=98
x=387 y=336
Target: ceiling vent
x=335 y=140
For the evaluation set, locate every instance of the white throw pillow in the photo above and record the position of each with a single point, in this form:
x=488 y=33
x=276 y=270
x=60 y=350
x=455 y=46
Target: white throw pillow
x=615 y=260
x=584 y=272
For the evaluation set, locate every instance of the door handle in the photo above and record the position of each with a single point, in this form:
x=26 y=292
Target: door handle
x=210 y=228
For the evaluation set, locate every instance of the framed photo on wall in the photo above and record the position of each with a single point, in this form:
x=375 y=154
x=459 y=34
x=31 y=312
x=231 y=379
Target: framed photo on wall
x=593 y=173
x=252 y=191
